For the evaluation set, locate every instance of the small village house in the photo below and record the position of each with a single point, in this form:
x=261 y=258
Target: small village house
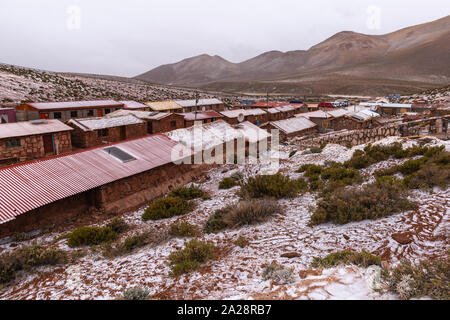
x=319 y=117
x=88 y=184
x=65 y=111
x=164 y=106
x=92 y=132
x=22 y=141
x=157 y=122
x=201 y=105
x=203 y=116
x=292 y=127
x=255 y=116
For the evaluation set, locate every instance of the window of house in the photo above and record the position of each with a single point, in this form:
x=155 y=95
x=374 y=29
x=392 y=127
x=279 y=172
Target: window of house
x=73 y=114
x=57 y=115
x=173 y=123
x=90 y=113
x=103 y=133
x=107 y=111
x=12 y=143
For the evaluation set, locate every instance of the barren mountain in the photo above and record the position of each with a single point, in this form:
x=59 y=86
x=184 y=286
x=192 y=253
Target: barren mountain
x=408 y=59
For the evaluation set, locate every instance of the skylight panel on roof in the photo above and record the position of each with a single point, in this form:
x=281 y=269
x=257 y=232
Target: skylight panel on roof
x=119 y=154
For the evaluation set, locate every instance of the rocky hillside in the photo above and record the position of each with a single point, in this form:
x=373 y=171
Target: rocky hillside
x=19 y=84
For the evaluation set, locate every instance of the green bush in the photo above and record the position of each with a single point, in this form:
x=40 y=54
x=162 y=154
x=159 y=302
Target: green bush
x=227 y=183
x=269 y=186
x=136 y=294
x=425 y=279
x=362 y=259
x=183 y=229
x=133 y=242
x=310 y=169
x=316 y=150
x=188 y=193
x=118 y=225
x=411 y=166
x=28 y=257
x=372 y=201
x=191 y=257
x=167 y=208
x=86 y=236
x=244 y=213
x=428 y=177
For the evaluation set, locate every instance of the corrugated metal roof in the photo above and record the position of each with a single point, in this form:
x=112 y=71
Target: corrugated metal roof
x=206 y=136
x=201 y=115
x=386 y=105
x=163 y=105
x=286 y=108
x=133 y=105
x=251 y=132
x=29 y=128
x=338 y=113
x=35 y=184
x=293 y=125
x=201 y=102
x=246 y=112
x=145 y=115
x=273 y=110
x=90 y=124
x=315 y=114
x=74 y=105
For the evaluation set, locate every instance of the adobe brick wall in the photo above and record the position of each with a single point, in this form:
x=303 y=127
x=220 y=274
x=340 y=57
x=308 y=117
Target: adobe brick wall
x=164 y=124
x=32 y=147
x=87 y=139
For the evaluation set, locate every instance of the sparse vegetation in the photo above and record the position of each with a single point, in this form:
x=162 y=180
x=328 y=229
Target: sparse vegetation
x=167 y=208
x=131 y=243
x=28 y=257
x=118 y=225
x=194 y=254
x=277 y=273
x=241 y=214
x=372 y=201
x=227 y=183
x=362 y=259
x=275 y=186
x=241 y=242
x=188 y=193
x=86 y=236
x=183 y=229
x=428 y=278
x=137 y=293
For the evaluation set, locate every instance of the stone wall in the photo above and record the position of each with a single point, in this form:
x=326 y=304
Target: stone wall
x=32 y=147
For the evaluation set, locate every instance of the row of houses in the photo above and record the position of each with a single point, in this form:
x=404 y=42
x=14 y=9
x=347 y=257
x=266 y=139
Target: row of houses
x=111 y=178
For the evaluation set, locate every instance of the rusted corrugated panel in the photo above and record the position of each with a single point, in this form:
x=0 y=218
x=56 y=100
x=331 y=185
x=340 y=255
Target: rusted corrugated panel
x=293 y=125
x=34 y=184
x=29 y=128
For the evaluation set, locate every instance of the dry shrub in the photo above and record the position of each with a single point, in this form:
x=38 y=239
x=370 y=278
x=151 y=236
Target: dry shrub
x=227 y=183
x=275 y=186
x=241 y=214
x=372 y=201
x=188 y=193
x=167 y=208
x=277 y=273
x=362 y=259
x=191 y=257
x=86 y=236
x=428 y=278
x=183 y=229
x=28 y=257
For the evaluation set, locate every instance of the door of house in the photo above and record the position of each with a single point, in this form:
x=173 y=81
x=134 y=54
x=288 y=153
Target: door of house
x=43 y=115
x=149 y=127
x=48 y=144
x=100 y=112
x=123 y=133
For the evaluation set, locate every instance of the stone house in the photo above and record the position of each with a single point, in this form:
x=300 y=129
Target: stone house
x=22 y=141
x=292 y=127
x=92 y=132
x=65 y=111
x=105 y=180
x=203 y=116
x=256 y=116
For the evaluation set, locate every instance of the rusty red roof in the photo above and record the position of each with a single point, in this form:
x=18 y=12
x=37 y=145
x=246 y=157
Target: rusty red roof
x=41 y=106
x=34 y=184
x=30 y=128
x=202 y=115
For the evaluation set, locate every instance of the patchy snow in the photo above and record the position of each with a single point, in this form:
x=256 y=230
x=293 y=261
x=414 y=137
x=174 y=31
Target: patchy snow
x=237 y=274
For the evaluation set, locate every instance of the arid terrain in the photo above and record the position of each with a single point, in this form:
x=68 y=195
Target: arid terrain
x=237 y=273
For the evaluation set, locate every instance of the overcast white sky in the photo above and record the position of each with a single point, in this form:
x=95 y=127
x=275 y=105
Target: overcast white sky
x=133 y=36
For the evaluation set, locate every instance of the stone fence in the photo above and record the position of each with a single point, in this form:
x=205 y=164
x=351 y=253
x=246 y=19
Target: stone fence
x=431 y=126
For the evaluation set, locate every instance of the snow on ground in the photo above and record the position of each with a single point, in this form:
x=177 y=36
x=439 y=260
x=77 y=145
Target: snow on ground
x=237 y=273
